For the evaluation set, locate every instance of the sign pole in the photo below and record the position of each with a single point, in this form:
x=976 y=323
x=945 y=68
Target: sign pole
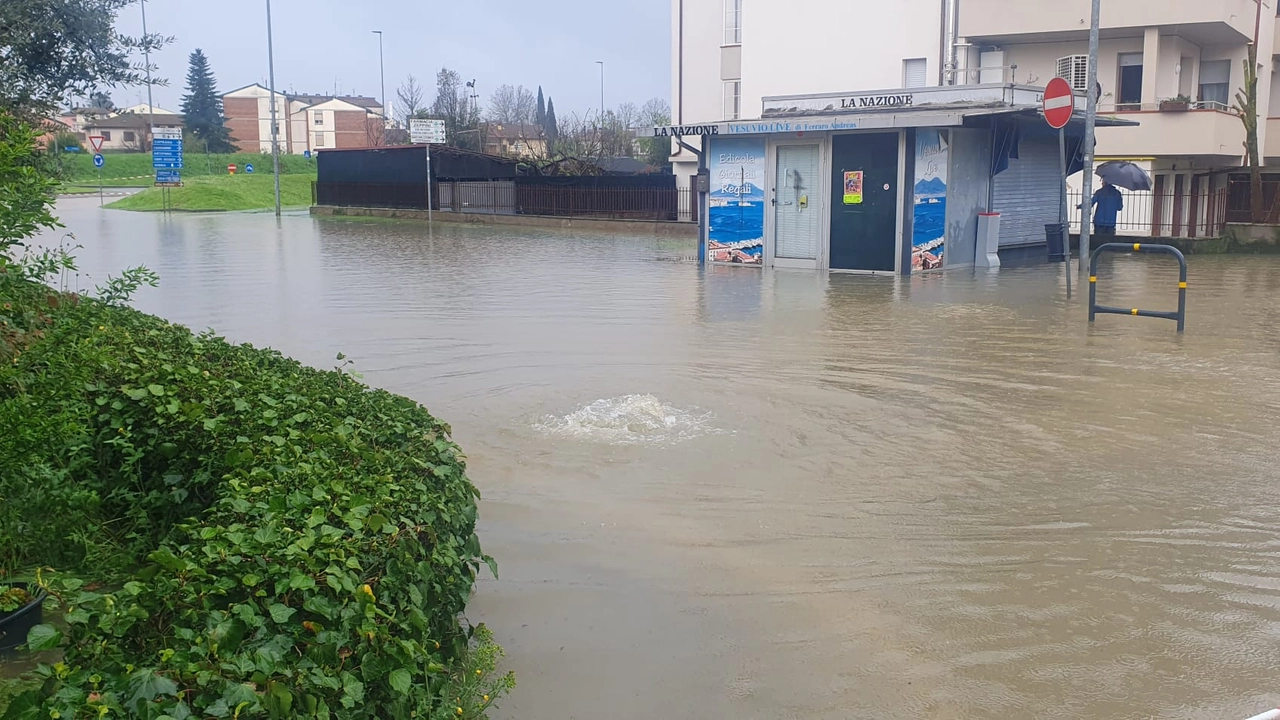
x=99 y=187
x=1063 y=212
x=429 y=218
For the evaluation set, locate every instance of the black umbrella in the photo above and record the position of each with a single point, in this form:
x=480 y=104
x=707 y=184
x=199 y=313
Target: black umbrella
x=1124 y=174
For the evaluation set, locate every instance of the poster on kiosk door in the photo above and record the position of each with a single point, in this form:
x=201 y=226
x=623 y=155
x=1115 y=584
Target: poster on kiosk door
x=928 y=236
x=736 y=201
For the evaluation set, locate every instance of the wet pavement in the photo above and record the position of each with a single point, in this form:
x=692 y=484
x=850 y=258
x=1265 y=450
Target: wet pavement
x=742 y=494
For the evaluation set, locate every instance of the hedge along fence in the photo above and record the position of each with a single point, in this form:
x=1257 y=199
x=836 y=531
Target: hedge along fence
x=304 y=545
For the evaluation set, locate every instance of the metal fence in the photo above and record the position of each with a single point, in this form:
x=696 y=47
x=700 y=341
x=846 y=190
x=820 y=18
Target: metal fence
x=1239 y=197
x=494 y=198
x=1180 y=215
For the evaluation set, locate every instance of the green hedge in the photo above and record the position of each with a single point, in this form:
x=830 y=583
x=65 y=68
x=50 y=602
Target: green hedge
x=278 y=541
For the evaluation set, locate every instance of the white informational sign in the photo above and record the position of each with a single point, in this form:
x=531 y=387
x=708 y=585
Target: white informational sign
x=166 y=133
x=426 y=132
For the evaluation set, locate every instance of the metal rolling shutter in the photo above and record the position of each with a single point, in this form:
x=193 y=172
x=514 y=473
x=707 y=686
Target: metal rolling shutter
x=1026 y=195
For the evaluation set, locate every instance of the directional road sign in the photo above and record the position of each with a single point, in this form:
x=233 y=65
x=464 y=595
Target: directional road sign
x=248 y=167
x=98 y=160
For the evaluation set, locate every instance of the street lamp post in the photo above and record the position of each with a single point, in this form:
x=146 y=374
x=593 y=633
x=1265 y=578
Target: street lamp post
x=1090 y=125
x=601 y=64
x=146 y=55
x=382 y=73
x=275 y=129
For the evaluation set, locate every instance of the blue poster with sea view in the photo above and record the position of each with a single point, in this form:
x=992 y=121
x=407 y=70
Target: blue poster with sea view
x=736 y=201
x=929 y=227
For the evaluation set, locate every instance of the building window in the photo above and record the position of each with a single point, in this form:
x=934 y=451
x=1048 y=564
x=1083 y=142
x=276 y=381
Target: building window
x=319 y=142
x=915 y=72
x=129 y=137
x=1129 y=96
x=732 y=22
x=1215 y=84
x=106 y=135
x=319 y=118
x=733 y=100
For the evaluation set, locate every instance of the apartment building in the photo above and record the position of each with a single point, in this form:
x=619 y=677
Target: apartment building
x=304 y=122
x=1171 y=66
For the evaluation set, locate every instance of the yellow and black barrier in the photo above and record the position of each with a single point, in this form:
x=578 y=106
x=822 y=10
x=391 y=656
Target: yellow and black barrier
x=1094 y=308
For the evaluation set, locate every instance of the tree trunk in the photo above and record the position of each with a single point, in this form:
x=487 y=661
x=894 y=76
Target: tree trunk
x=1247 y=106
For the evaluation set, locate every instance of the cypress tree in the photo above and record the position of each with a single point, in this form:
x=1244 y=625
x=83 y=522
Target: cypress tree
x=203 y=108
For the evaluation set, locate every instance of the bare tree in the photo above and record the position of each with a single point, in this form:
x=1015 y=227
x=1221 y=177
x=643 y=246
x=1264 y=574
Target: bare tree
x=375 y=130
x=655 y=111
x=513 y=104
x=626 y=116
x=410 y=95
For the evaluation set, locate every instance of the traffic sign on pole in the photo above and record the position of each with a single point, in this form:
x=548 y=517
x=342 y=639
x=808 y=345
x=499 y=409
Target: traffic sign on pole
x=248 y=167
x=95 y=141
x=98 y=160
x=1059 y=103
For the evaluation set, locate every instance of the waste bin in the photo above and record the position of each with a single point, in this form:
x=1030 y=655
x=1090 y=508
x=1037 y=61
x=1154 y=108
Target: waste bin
x=1055 y=237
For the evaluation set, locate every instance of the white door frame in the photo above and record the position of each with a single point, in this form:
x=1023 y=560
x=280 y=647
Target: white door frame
x=901 y=205
x=824 y=216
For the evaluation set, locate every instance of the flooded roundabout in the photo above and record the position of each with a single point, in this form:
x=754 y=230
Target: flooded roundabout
x=727 y=493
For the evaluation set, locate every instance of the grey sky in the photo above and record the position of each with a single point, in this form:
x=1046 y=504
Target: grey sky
x=554 y=43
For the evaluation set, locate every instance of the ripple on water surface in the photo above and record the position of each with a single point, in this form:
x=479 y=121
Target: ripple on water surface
x=630 y=420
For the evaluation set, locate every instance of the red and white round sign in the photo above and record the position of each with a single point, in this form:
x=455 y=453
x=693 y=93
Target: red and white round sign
x=1059 y=103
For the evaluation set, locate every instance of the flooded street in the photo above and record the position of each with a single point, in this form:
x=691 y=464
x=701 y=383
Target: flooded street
x=731 y=494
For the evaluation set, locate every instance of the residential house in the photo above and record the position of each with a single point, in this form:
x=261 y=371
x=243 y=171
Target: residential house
x=1173 y=66
x=118 y=132
x=515 y=140
x=76 y=118
x=304 y=122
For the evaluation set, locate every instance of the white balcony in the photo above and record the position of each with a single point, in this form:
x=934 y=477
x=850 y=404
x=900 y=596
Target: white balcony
x=1204 y=129
x=1221 y=21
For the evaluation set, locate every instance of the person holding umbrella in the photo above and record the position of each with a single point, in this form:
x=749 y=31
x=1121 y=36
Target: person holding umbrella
x=1107 y=204
x=1107 y=200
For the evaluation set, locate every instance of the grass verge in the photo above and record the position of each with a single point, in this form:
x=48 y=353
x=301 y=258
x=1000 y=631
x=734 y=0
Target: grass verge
x=239 y=192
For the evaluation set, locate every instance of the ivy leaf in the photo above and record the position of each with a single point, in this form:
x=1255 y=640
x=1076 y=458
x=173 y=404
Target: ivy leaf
x=146 y=686
x=298 y=581
x=43 y=637
x=400 y=680
x=137 y=394
x=156 y=390
x=281 y=613
x=493 y=565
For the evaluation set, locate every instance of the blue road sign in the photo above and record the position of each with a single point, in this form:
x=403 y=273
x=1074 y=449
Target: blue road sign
x=166 y=154
x=248 y=167
x=306 y=154
x=168 y=177
x=98 y=160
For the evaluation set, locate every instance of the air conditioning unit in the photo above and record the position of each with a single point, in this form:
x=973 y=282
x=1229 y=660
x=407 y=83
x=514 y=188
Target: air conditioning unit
x=1075 y=70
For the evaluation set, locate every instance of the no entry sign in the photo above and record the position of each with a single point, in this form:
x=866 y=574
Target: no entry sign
x=1059 y=103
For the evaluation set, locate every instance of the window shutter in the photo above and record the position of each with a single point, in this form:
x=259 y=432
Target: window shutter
x=914 y=72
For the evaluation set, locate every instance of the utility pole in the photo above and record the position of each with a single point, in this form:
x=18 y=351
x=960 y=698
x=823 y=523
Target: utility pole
x=275 y=129
x=382 y=74
x=1090 y=127
x=146 y=54
x=601 y=64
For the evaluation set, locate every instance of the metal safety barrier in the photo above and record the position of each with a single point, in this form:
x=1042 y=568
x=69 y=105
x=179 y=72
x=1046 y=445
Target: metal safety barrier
x=1094 y=308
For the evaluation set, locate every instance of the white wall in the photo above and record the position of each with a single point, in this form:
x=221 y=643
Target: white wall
x=822 y=46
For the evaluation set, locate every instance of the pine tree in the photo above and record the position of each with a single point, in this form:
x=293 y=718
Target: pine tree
x=550 y=129
x=203 y=108
x=541 y=112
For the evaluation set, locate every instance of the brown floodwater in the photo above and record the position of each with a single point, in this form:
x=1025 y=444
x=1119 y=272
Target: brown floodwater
x=728 y=493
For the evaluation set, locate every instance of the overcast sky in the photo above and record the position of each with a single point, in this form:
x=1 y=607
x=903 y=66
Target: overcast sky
x=320 y=43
